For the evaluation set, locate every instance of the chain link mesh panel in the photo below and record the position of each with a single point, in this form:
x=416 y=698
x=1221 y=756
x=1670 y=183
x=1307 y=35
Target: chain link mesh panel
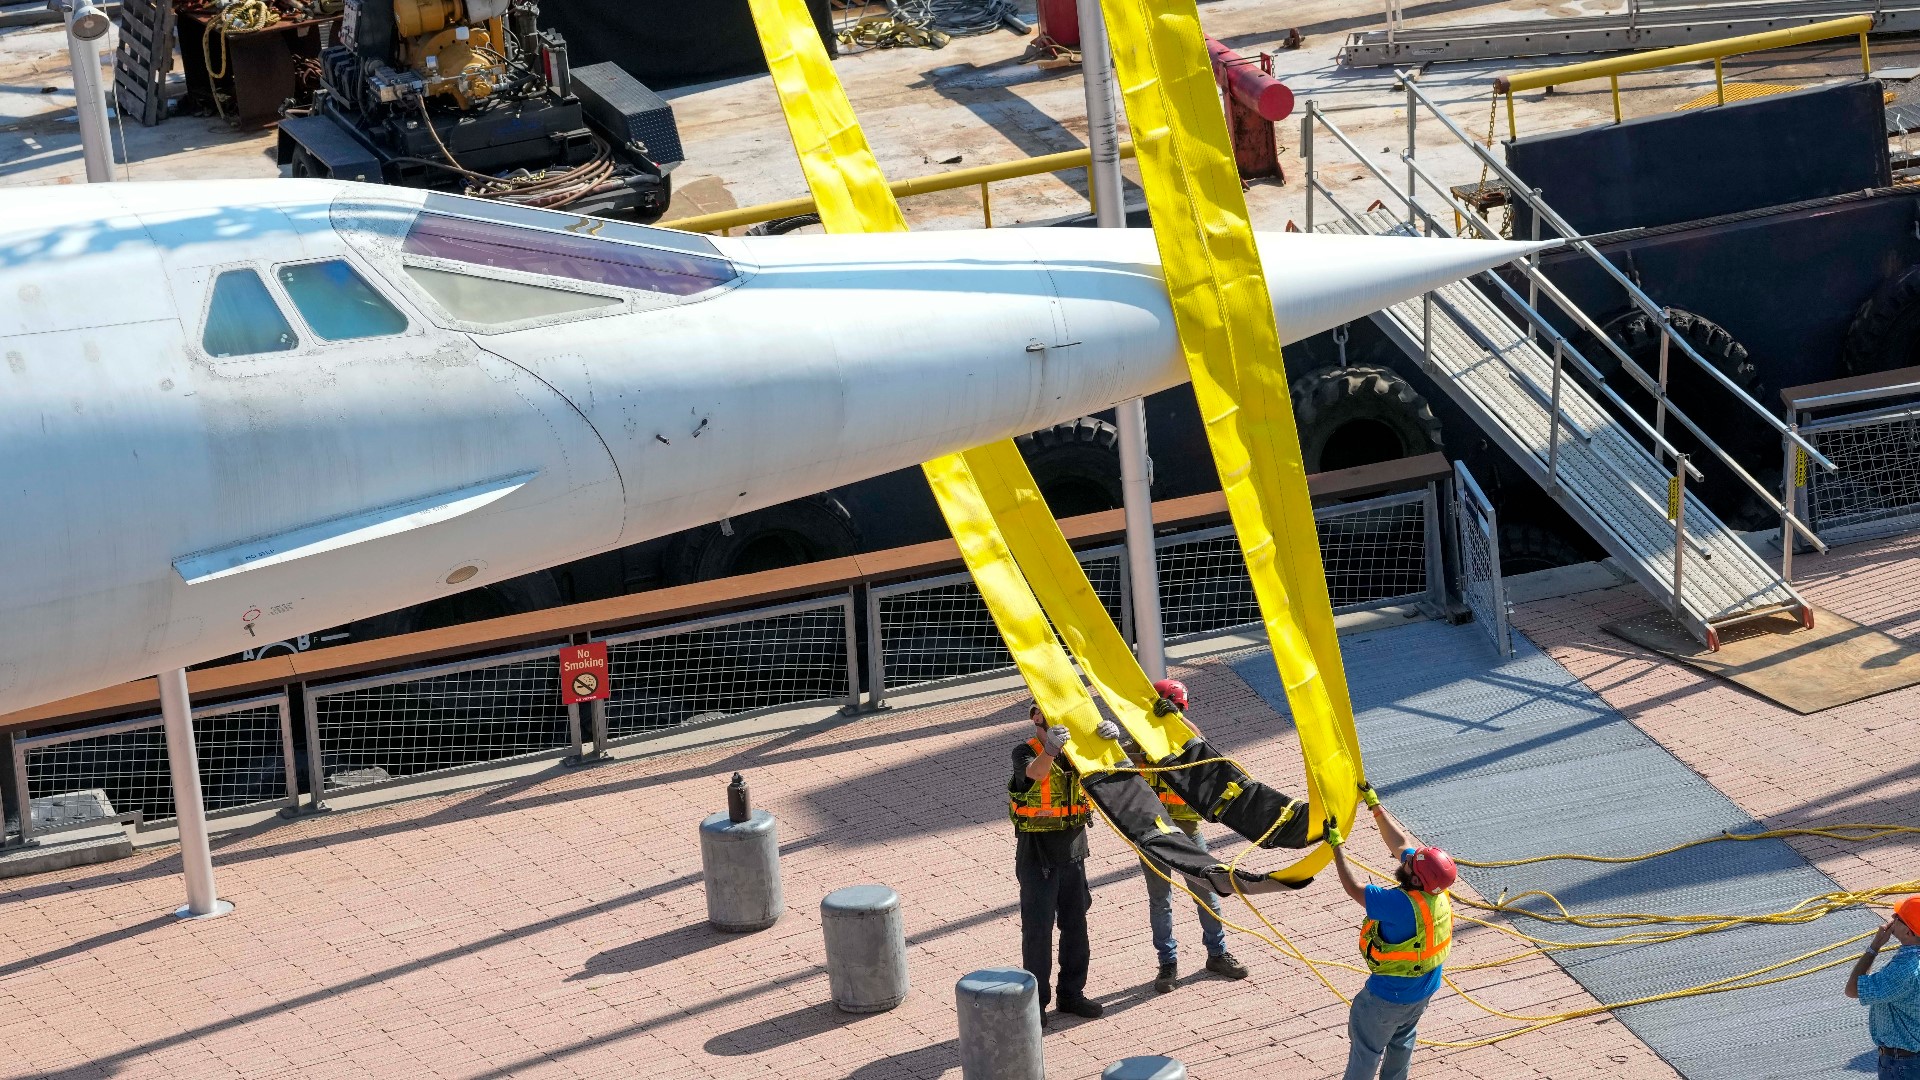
x=945 y=632
x=124 y=769
x=668 y=679
x=370 y=734
x=1876 y=490
x=1480 y=559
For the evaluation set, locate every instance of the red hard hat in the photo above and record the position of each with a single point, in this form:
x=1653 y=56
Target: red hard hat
x=1434 y=869
x=1173 y=690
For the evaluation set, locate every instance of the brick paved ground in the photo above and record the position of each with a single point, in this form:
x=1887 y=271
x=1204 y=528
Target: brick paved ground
x=1854 y=763
x=553 y=927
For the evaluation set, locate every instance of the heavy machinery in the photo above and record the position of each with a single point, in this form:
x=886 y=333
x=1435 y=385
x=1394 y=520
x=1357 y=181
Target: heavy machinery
x=471 y=96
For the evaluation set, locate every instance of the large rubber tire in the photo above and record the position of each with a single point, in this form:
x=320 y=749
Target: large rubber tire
x=302 y=163
x=1886 y=330
x=1076 y=465
x=1730 y=423
x=803 y=531
x=1360 y=415
x=1526 y=548
x=783 y=226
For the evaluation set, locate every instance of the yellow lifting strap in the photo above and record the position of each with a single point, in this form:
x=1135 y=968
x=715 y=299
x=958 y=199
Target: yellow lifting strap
x=1225 y=321
x=853 y=196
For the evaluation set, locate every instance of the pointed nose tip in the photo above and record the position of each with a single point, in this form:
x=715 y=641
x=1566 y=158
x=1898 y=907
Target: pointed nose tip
x=1320 y=281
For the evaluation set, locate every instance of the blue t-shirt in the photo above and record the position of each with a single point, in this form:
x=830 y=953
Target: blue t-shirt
x=1393 y=910
x=1892 y=997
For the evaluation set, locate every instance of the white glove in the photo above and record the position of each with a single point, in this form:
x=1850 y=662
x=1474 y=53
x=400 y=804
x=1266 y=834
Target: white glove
x=1055 y=740
x=1110 y=730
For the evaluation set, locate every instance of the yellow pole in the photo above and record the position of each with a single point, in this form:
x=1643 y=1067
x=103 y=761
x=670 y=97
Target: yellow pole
x=1719 y=81
x=1513 y=133
x=1685 y=54
x=986 y=203
x=1614 y=82
x=1866 y=65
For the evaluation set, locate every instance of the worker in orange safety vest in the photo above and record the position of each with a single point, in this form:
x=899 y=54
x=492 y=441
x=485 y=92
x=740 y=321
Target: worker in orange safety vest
x=1049 y=813
x=1404 y=940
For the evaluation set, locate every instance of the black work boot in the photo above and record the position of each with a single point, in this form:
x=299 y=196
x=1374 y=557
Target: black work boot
x=1169 y=975
x=1225 y=966
x=1081 y=1005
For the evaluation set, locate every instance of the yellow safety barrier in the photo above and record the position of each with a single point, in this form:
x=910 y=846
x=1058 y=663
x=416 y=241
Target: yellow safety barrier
x=1613 y=67
x=971 y=176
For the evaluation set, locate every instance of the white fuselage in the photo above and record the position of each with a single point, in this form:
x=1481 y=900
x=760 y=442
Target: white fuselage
x=168 y=496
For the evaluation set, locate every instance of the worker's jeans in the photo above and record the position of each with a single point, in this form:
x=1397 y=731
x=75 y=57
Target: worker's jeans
x=1050 y=895
x=1899 y=1068
x=1380 y=1036
x=1160 y=909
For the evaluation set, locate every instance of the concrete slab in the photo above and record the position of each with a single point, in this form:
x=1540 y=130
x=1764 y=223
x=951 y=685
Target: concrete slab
x=65 y=850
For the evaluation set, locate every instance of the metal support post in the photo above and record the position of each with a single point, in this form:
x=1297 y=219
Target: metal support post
x=190 y=810
x=1435 y=550
x=575 y=736
x=1130 y=417
x=1679 y=508
x=1791 y=480
x=876 y=655
x=853 y=651
x=1306 y=155
x=1553 y=423
x=1660 y=407
x=597 y=715
x=86 y=26
x=13 y=786
x=1413 y=115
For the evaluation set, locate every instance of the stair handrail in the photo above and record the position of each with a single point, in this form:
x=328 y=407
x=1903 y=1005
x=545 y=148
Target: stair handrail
x=1518 y=189
x=1647 y=382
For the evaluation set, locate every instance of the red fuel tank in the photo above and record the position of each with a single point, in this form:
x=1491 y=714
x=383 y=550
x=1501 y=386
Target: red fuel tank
x=1060 y=20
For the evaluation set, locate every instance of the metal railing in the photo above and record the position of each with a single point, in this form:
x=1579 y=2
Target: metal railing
x=1615 y=66
x=1875 y=491
x=1377 y=552
x=1479 y=538
x=118 y=772
x=397 y=728
x=1539 y=329
x=980 y=176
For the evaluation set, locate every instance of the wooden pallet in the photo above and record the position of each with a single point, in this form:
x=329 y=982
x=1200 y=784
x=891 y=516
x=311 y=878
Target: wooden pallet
x=143 y=59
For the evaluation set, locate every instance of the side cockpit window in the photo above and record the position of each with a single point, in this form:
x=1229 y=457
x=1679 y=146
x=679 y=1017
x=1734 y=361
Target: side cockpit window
x=242 y=318
x=493 y=302
x=337 y=303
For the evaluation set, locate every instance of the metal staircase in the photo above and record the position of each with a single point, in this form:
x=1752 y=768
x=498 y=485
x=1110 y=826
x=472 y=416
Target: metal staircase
x=1614 y=471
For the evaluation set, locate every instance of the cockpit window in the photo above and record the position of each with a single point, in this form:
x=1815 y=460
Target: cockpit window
x=243 y=319
x=492 y=302
x=337 y=302
x=577 y=255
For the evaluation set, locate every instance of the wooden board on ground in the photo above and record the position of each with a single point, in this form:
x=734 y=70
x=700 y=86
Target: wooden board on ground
x=1805 y=670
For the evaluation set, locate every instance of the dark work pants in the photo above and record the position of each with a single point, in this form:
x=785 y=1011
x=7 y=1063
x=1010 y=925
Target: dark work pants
x=1050 y=895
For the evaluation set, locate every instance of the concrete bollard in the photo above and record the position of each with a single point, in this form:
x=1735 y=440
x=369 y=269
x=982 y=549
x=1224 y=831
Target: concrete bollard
x=866 y=948
x=740 y=867
x=999 y=1012
x=1145 y=1068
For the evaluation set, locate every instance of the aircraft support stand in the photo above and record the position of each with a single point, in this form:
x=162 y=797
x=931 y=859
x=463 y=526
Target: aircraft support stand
x=183 y=759
x=1129 y=417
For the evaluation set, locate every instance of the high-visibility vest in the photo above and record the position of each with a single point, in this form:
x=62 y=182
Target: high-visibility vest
x=1177 y=807
x=1054 y=804
x=1425 y=950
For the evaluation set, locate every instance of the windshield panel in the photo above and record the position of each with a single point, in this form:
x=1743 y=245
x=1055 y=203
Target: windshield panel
x=569 y=255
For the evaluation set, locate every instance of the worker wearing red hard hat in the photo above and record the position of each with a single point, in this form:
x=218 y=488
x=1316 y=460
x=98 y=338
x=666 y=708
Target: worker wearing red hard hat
x=1405 y=940
x=1171 y=697
x=1892 y=994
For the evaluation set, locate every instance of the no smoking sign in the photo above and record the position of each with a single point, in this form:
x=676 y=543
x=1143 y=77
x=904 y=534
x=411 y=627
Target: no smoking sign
x=583 y=673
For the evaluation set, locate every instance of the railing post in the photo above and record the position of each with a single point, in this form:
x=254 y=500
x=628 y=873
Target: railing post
x=1533 y=281
x=286 y=751
x=575 y=736
x=876 y=654
x=1719 y=83
x=1553 y=423
x=1789 y=499
x=316 y=766
x=1660 y=407
x=1678 y=510
x=1435 y=549
x=1306 y=154
x=1614 y=80
x=597 y=719
x=1426 y=330
x=22 y=794
x=853 y=651
x=1412 y=117
x=189 y=805
x=986 y=204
